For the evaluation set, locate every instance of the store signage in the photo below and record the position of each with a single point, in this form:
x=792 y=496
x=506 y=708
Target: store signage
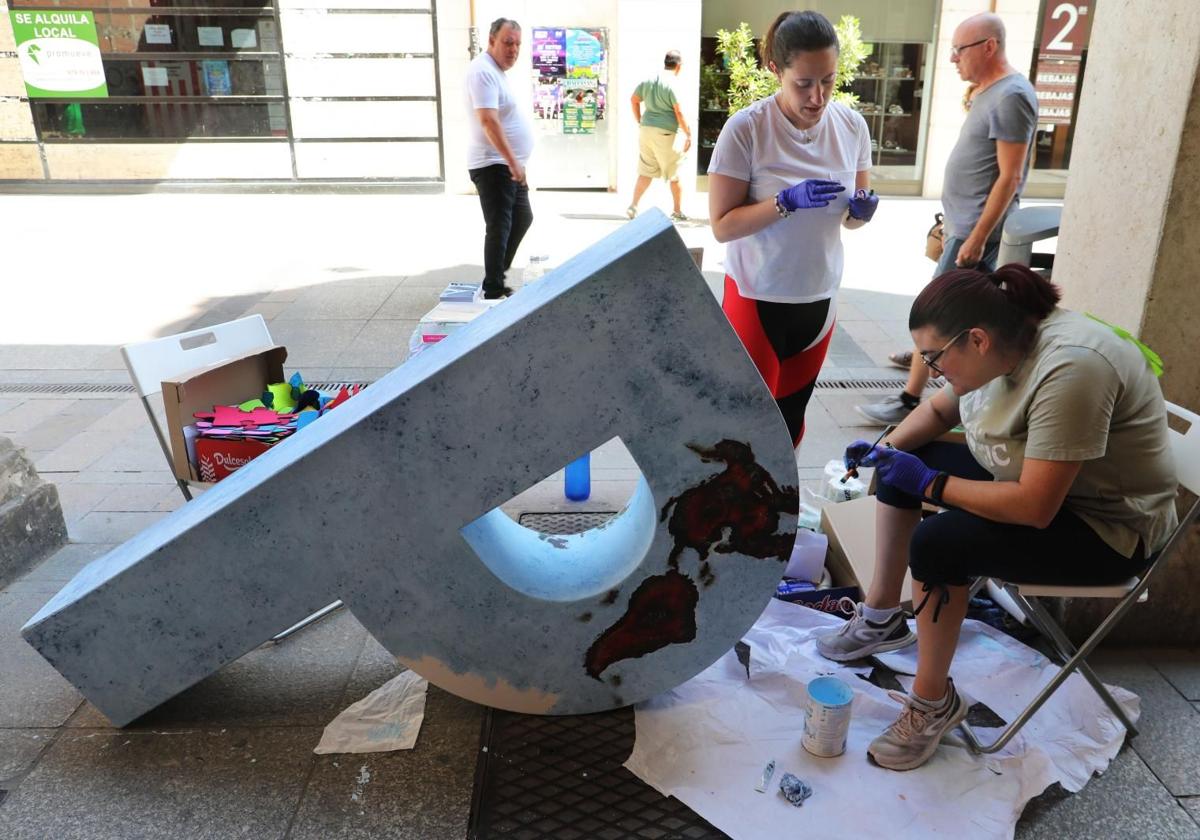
x=1066 y=28
x=59 y=53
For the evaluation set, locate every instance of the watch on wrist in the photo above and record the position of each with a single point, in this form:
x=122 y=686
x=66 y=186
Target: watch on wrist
x=937 y=487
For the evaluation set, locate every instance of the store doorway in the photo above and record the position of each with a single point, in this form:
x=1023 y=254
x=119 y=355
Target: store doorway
x=570 y=106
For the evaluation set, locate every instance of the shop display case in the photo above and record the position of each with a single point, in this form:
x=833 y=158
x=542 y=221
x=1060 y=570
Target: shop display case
x=890 y=87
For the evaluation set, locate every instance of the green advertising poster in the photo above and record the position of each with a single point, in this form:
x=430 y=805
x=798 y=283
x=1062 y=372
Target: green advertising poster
x=59 y=53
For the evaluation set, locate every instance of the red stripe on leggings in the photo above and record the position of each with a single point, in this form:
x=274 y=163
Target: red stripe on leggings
x=783 y=376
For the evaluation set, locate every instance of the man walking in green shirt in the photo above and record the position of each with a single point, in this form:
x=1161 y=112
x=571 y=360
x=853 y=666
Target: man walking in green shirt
x=656 y=108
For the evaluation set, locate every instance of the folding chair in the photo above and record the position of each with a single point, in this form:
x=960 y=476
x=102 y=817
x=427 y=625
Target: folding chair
x=151 y=362
x=1186 y=449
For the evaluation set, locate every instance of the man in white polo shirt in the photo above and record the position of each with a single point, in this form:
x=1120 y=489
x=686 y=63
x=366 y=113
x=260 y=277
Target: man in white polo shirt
x=500 y=143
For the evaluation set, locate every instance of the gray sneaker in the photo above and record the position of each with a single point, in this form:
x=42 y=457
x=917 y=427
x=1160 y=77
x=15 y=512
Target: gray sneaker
x=887 y=412
x=860 y=637
x=913 y=737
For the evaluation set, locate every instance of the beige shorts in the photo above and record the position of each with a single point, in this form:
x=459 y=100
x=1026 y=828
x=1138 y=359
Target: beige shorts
x=657 y=156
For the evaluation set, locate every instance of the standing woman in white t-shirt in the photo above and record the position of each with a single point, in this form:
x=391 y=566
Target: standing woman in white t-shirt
x=785 y=177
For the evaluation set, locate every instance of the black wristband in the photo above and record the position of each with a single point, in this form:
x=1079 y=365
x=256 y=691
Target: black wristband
x=937 y=487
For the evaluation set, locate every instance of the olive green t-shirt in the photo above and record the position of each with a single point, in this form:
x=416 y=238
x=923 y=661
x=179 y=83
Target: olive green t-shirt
x=658 y=102
x=1083 y=394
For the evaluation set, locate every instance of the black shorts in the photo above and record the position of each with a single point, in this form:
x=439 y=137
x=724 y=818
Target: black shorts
x=954 y=546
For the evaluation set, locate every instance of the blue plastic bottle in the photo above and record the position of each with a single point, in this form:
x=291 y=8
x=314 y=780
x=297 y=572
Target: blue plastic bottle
x=577 y=483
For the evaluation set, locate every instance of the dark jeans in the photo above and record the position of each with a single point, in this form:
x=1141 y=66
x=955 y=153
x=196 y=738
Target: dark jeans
x=951 y=547
x=507 y=214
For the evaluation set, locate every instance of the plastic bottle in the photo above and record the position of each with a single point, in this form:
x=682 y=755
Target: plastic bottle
x=535 y=269
x=577 y=481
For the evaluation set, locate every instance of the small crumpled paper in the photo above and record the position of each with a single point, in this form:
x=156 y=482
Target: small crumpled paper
x=389 y=718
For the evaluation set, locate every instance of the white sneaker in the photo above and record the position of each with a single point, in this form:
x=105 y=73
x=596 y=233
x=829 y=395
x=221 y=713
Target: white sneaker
x=914 y=736
x=630 y=212
x=860 y=637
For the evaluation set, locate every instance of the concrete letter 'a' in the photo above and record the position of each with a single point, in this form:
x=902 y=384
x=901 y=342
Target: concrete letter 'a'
x=390 y=503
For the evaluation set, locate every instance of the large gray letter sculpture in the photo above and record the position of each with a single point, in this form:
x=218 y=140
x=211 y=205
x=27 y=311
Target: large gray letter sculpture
x=390 y=503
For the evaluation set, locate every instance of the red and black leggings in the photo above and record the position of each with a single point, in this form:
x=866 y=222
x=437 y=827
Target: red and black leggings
x=787 y=342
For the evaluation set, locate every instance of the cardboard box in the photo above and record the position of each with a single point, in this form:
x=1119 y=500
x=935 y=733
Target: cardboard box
x=218 y=458
x=229 y=382
x=833 y=601
x=850 y=527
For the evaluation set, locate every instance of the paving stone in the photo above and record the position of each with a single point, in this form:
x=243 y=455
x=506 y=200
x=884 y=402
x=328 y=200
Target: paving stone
x=19 y=749
x=1191 y=804
x=313 y=343
x=79 y=452
x=355 y=303
x=439 y=278
x=135 y=497
x=1169 y=725
x=300 y=681
x=423 y=793
x=356 y=374
x=32 y=694
x=380 y=344
x=1126 y=801
x=110 y=526
x=220 y=784
x=64 y=564
x=409 y=303
x=1181 y=667
x=30 y=414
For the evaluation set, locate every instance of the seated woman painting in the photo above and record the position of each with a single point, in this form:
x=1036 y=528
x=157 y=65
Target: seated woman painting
x=1066 y=477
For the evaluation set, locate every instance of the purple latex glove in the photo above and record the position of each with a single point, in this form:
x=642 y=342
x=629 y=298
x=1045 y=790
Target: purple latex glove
x=855 y=453
x=814 y=192
x=863 y=204
x=902 y=470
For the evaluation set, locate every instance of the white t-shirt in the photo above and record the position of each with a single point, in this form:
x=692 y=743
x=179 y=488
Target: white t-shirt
x=797 y=259
x=487 y=87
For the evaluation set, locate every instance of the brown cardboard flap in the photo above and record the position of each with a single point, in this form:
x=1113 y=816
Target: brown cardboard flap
x=227 y=383
x=850 y=527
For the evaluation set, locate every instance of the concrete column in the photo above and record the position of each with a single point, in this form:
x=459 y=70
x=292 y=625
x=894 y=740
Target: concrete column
x=1130 y=231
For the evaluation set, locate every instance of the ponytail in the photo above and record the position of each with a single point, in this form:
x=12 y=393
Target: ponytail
x=793 y=32
x=1009 y=301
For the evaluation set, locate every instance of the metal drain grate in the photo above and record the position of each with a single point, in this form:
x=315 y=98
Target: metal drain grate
x=92 y=388
x=560 y=778
x=65 y=388
x=565 y=523
x=870 y=384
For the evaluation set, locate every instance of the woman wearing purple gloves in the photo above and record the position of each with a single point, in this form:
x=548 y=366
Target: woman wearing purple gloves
x=1066 y=477
x=778 y=185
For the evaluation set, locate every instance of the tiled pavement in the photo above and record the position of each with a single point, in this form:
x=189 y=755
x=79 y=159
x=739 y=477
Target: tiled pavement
x=232 y=756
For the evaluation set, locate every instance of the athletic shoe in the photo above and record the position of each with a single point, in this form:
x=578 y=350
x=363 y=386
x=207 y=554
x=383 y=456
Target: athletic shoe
x=913 y=737
x=678 y=217
x=630 y=212
x=901 y=360
x=504 y=292
x=860 y=637
x=887 y=412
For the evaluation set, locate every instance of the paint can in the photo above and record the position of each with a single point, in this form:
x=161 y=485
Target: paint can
x=826 y=716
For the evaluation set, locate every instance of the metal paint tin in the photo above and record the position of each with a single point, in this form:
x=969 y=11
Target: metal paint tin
x=826 y=716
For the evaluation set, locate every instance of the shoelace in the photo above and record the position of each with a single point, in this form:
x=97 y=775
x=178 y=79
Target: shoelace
x=943 y=599
x=911 y=720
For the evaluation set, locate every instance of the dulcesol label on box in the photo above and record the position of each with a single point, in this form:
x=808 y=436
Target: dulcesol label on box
x=59 y=53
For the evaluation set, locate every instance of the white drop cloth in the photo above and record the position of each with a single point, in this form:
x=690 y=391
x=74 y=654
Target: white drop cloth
x=707 y=741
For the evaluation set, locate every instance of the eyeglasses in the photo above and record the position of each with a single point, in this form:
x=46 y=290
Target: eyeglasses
x=955 y=52
x=931 y=359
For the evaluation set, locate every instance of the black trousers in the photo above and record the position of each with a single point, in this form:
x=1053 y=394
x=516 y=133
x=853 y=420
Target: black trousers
x=954 y=546
x=507 y=215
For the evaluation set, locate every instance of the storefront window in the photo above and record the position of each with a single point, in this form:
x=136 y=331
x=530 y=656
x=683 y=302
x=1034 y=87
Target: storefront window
x=175 y=71
x=1059 y=59
x=890 y=87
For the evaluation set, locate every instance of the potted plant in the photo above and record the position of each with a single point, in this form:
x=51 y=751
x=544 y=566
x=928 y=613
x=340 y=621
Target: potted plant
x=749 y=82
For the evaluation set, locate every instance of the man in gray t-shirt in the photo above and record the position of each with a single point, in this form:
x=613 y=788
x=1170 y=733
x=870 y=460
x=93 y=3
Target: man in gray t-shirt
x=984 y=175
